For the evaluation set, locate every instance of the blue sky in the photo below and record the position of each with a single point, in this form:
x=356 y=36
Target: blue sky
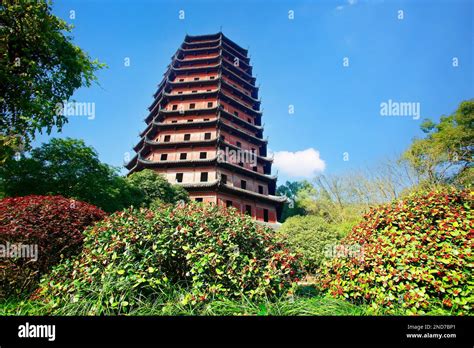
x=298 y=62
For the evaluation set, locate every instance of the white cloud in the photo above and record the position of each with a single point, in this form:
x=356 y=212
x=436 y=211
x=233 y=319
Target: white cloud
x=305 y=163
x=348 y=3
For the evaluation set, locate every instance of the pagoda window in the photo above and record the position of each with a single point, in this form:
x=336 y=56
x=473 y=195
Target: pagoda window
x=203 y=155
x=228 y=203
x=255 y=168
x=208 y=90
x=179 y=177
x=192 y=106
x=164 y=156
x=209 y=104
x=253 y=150
x=248 y=210
x=206 y=119
x=180 y=92
x=207 y=136
x=181 y=80
x=198 y=199
x=167 y=138
x=236 y=113
x=243 y=184
x=190 y=120
x=212 y=77
x=194 y=91
x=239 y=144
x=175 y=107
x=174 y=121
x=249 y=120
x=223 y=137
x=196 y=79
x=260 y=189
x=224 y=178
x=204 y=176
x=187 y=137
x=183 y=156
x=265 y=215
x=241 y=164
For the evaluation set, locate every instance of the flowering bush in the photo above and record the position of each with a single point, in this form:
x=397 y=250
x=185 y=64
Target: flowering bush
x=205 y=250
x=35 y=233
x=417 y=255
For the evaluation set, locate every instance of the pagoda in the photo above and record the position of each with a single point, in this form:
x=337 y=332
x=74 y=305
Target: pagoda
x=204 y=129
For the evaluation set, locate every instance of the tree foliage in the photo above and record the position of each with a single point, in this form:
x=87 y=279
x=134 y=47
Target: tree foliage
x=342 y=199
x=39 y=68
x=290 y=189
x=309 y=236
x=69 y=168
x=445 y=155
x=72 y=169
x=155 y=189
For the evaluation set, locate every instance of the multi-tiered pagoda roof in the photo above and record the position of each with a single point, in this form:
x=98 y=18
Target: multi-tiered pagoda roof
x=204 y=129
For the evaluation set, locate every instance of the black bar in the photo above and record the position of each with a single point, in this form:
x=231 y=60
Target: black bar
x=288 y=331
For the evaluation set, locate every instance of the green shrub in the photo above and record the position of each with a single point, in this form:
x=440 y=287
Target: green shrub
x=205 y=250
x=309 y=236
x=417 y=256
x=49 y=227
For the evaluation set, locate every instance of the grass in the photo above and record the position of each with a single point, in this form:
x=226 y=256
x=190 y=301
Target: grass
x=282 y=307
x=306 y=301
x=285 y=307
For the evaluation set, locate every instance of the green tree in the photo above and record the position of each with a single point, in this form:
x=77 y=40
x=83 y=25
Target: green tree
x=331 y=197
x=445 y=155
x=69 y=168
x=155 y=189
x=310 y=236
x=290 y=189
x=345 y=198
x=40 y=68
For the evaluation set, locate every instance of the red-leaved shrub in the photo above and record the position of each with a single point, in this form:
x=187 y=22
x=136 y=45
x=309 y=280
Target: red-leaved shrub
x=35 y=233
x=415 y=255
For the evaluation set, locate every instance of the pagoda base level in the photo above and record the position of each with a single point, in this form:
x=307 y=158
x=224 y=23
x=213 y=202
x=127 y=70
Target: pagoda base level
x=257 y=210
